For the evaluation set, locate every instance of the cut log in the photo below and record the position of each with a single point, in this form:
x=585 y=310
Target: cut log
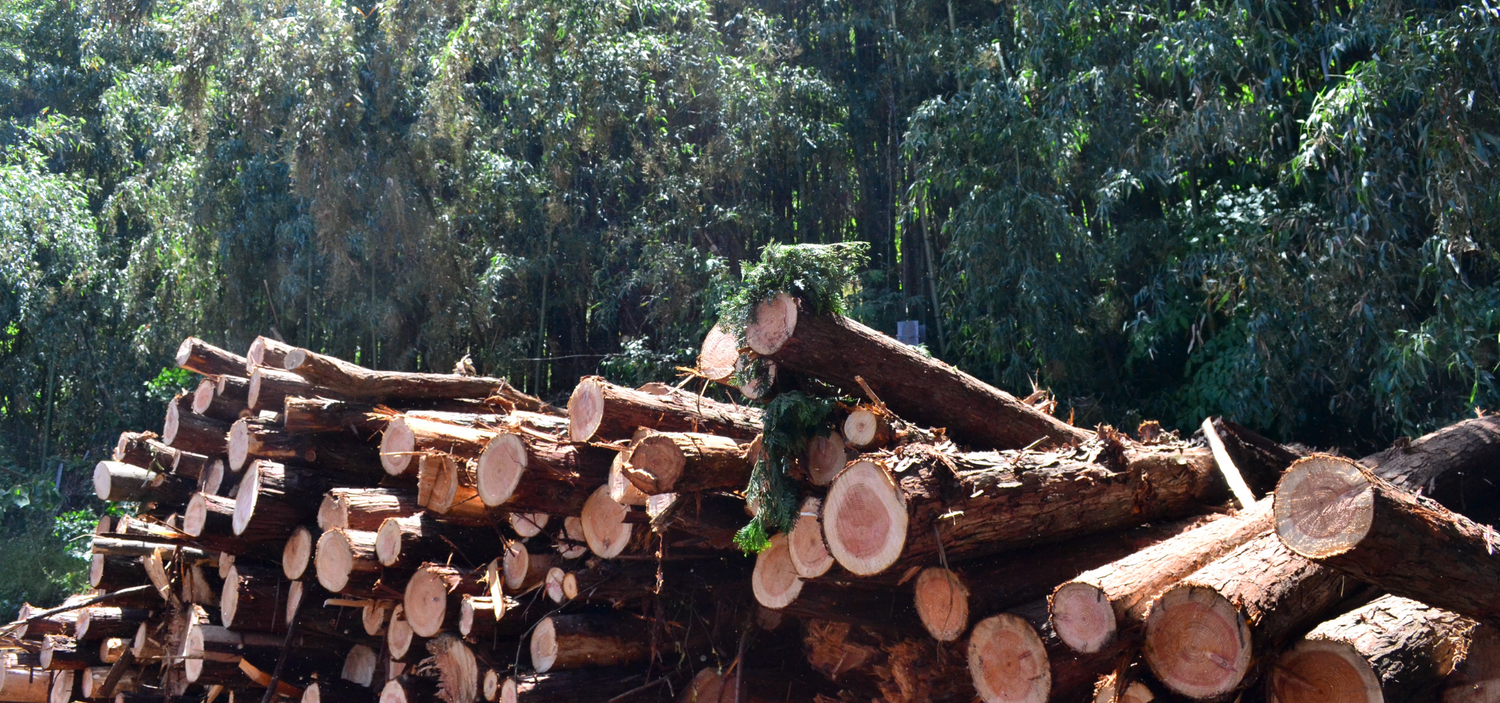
x=297 y=554
x=1135 y=692
x=265 y=351
x=683 y=462
x=343 y=691
x=1342 y=515
x=1390 y=649
x=433 y=597
x=458 y=670
x=604 y=525
x=408 y=689
x=1202 y=634
x=1008 y=661
x=359 y=666
x=189 y=465
x=826 y=457
x=775 y=580
x=354 y=381
x=1000 y=501
x=868 y=427
x=93 y=681
x=405 y=437
x=483 y=618
x=399 y=638
x=197 y=355
x=601 y=410
x=65 y=687
x=810 y=557
x=208 y=403
x=1090 y=610
x=1453 y=466
x=364 y=508
x=62 y=653
x=302 y=416
x=603 y=684
x=212 y=482
x=942 y=601
x=1476 y=679
x=269 y=389
x=102 y=622
x=116 y=482
x=112 y=573
x=144 y=450
x=275 y=498
x=209 y=516
x=256 y=439
x=253 y=600
x=565 y=642
x=24 y=684
x=404 y=542
x=558 y=477
x=528 y=524
x=717 y=355
x=189 y=431
x=346 y=562
x=523 y=571
x=918 y=388
x=620 y=488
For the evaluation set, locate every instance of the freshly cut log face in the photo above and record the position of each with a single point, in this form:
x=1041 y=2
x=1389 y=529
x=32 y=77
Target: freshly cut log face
x=676 y=462
x=265 y=351
x=942 y=603
x=810 y=557
x=864 y=519
x=115 y=482
x=528 y=524
x=346 y=559
x=189 y=431
x=297 y=553
x=599 y=409
x=717 y=356
x=433 y=594
x=1008 y=661
x=1392 y=648
x=826 y=457
x=920 y=389
x=1090 y=610
x=1197 y=642
x=209 y=402
x=867 y=427
x=527 y=472
x=604 y=526
x=359 y=665
x=207 y=359
x=405 y=436
x=588 y=640
x=775 y=581
x=458 y=670
x=1342 y=515
x=447 y=488
x=399 y=638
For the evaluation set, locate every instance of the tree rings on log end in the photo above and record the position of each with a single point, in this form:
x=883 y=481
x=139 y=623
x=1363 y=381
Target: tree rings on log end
x=527 y=524
x=1082 y=617
x=866 y=429
x=775 y=580
x=604 y=526
x=1008 y=661
x=717 y=355
x=826 y=457
x=500 y=467
x=544 y=646
x=1323 y=671
x=515 y=563
x=239 y=444
x=398 y=634
x=942 y=603
x=489 y=687
x=810 y=556
x=1324 y=506
x=246 y=498
x=1197 y=643
x=373 y=617
x=864 y=519
x=203 y=395
x=585 y=409
x=507 y=690
x=774 y=322
x=554 y=584
x=397 y=445
x=297 y=553
x=334 y=560
x=656 y=463
x=426 y=601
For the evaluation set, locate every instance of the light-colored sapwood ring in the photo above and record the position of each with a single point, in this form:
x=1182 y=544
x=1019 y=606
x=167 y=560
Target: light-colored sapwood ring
x=717 y=354
x=543 y=646
x=1324 y=506
x=585 y=409
x=942 y=603
x=604 y=526
x=296 y=554
x=775 y=581
x=810 y=556
x=863 y=428
x=359 y=665
x=398 y=445
x=1008 y=661
x=864 y=519
x=500 y=468
x=554 y=584
x=1323 y=671
x=335 y=560
x=1083 y=617
x=1197 y=643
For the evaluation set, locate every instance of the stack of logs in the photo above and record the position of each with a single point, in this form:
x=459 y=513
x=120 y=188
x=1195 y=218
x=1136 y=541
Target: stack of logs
x=310 y=529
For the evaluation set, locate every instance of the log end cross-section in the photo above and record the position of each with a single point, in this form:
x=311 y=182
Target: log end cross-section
x=1008 y=661
x=942 y=603
x=1324 y=506
x=864 y=519
x=1197 y=643
x=775 y=580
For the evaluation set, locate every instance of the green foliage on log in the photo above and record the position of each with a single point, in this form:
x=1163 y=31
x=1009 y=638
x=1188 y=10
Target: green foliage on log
x=791 y=419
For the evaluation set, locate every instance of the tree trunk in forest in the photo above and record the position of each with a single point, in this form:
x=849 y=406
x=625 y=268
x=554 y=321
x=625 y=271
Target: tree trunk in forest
x=918 y=388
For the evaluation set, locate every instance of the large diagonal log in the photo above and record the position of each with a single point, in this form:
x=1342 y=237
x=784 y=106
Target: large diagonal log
x=918 y=388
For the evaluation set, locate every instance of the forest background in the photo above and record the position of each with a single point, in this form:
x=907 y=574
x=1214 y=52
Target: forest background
x=1272 y=210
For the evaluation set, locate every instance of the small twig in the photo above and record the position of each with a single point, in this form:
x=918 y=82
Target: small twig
x=637 y=689
x=873 y=398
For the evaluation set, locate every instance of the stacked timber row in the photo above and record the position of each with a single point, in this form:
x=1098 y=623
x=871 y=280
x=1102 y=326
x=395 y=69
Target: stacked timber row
x=309 y=529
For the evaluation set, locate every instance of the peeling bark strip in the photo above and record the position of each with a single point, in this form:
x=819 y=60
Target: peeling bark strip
x=989 y=502
x=919 y=389
x=1342 y=515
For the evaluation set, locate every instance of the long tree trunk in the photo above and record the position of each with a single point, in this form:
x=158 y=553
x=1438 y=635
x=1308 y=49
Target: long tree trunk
x=600 y=410
x=207 y=359
x=1392 y=649
x=918 y=388
x=680 y=462
x=354 y=381
x=1342 y=515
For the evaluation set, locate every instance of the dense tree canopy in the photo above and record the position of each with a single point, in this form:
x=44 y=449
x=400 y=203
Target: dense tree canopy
x=1272 y=210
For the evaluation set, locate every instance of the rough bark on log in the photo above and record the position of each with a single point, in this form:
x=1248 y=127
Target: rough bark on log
x=684 y=462
x=1203 y=633
x=186 y=430
x=116 y=482
x=601 y=410
x=404 y=542
x=918 y=388
x=1343 y=516
x=405 y=437
x=62 y=653
x=1391 y=649
x=197 y=355
x=447 y=488
x=1476 y=679
x=112 y=573
x=275 y=498
x=433 y=597
x=354 y=381
x=530 y=473
x=269 y=388
x=458 y=670
x=364 y=508
x=253 y=599
x=1000 y=501
x=1014 y=658
x=251 y=439
x=565 y=642
x=1091 y=610
x=24 y=684
x=346 y=561
x=102 y=622
x=265 y=351
x=209 y=403
x=1453 y=466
